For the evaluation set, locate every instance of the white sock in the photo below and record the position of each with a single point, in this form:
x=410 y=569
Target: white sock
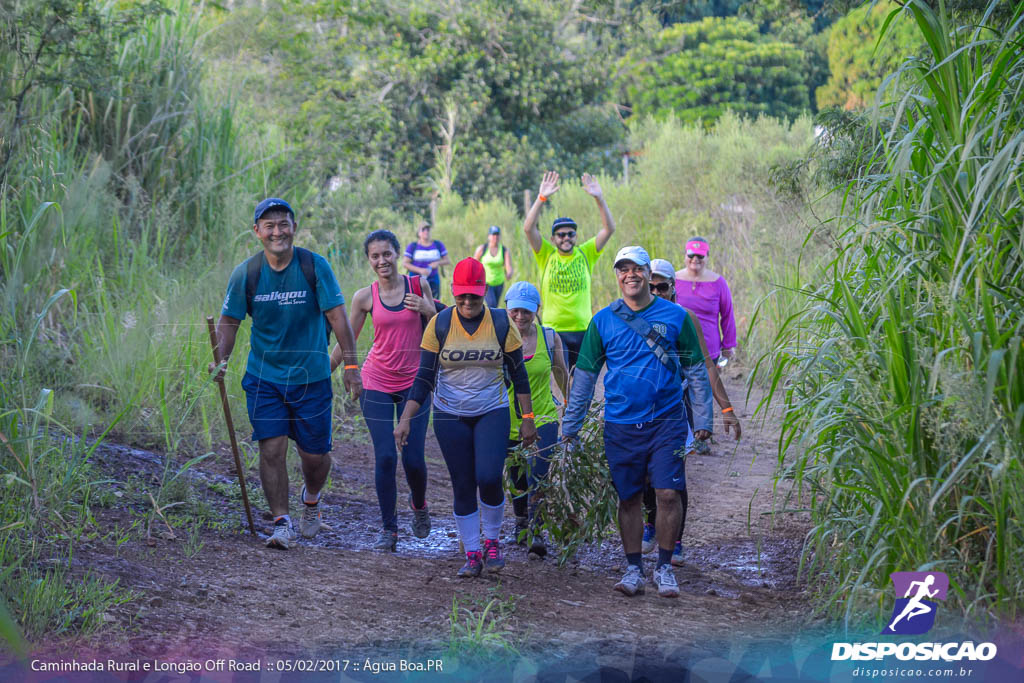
x=469 y=530
x=492 y=516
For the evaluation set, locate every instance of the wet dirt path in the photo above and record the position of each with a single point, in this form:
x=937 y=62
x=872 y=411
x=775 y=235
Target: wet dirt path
x=234 y=597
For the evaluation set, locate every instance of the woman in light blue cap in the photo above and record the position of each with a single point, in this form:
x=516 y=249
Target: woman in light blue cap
x=542 y=351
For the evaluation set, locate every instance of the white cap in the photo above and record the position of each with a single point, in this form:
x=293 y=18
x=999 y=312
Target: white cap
x=660 y=266
x=637 y=255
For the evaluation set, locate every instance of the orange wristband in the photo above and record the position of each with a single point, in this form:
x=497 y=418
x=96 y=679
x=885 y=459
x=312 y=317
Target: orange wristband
x=727 y=410
x=351 y=367
x=542 y=198
x=527 y=416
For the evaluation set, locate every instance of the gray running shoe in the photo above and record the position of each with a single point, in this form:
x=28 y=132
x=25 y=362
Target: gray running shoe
x=632 y=582
x=284 y=536
x=420 y=520
x=665 y=580
x=474 y=565
x=493 y=561
x=386 y=540
x=309 y=523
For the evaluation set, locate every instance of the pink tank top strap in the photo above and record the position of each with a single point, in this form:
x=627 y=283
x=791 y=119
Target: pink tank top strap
x=394 y=358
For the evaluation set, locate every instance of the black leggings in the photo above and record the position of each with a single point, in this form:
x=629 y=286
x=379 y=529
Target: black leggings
x=651 y=505
x=474 y=451
x=526 y=478
x=571 y=344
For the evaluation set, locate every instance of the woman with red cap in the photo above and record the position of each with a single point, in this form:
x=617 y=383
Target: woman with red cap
x=706 y=293
x=465 y=350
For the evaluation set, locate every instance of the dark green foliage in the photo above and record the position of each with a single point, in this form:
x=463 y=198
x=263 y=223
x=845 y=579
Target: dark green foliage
x=701 y=69
x=858 y=62
x=370 y=87
x=56 y=44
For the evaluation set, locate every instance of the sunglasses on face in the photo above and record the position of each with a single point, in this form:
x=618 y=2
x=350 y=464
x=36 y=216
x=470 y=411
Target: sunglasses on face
x=699 y=257
x=565 y=235
x=661 y=287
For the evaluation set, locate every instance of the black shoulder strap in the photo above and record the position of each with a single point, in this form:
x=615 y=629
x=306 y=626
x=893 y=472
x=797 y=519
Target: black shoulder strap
x=253 y=267
x=549 y=338
x=441 y=327
x=305 y=257
x=499 y=318
x=308 y=269
x=659 y=346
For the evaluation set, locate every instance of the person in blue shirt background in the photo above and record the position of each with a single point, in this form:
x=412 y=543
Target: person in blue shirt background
x=644 y=425
x=288 y=292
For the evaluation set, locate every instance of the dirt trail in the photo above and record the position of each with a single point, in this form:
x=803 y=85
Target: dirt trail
x=237 y=598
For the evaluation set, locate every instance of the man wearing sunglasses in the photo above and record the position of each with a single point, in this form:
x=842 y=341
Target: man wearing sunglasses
x=567 y=270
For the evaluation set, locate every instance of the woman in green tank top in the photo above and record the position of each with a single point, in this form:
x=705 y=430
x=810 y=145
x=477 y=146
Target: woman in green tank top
x=497 y=265
x=542 y=351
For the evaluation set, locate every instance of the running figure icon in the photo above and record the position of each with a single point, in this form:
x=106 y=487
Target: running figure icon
x=916 y=607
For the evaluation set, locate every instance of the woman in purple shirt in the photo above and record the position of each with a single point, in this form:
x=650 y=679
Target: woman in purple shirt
x=706 y=293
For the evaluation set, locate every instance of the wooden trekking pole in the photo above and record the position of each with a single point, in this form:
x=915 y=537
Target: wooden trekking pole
x=231 y=424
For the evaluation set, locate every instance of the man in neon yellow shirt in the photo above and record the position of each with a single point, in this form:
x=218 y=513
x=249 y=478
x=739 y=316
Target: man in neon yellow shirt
x=567 y=271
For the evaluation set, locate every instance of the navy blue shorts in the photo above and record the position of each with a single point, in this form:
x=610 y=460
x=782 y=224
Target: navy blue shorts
x=302 y=412
x=655 y=449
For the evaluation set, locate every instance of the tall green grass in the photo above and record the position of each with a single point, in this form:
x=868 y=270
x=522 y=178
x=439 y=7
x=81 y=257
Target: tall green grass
x=119 y=203
x=902 y=373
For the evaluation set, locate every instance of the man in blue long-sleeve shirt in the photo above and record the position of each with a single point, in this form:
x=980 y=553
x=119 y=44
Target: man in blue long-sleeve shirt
x=645 y=429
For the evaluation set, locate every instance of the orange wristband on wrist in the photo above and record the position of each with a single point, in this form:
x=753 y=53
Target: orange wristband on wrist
x=527 y=416
x=542 y=198
x=727 y=410
x=351 y=367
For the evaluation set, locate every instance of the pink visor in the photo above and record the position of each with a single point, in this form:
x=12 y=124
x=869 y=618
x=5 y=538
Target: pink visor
x=695 y=247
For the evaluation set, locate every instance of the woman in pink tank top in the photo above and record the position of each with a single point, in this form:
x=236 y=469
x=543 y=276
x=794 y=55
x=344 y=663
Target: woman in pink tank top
x=388 y=372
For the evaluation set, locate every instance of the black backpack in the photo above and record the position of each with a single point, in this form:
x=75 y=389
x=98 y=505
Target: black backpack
x=499 y=317
x=254 y=266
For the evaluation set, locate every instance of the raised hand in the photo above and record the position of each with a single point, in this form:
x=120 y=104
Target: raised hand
x=592 y=187
x=549 y=185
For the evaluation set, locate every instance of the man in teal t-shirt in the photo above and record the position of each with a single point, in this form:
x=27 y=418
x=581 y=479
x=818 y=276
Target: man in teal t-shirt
x=567 y=271
x=288 y=292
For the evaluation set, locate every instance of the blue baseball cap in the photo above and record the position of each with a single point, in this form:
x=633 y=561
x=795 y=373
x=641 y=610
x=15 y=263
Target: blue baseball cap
x=494 y=230
x=523 y=295
x=271 y=203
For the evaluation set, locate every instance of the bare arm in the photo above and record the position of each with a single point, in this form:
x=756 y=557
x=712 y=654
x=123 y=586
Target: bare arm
x=717 y=387
x=509 y=270
x=593 y=188
x=548 y=186
x=479 y=253
x=559 y=370
x=407 y=264
x=227 y=330
x=361 y=305
x=347 y=341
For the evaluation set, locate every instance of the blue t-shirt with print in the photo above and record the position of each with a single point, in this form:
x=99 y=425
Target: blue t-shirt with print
x=637 y=386
x=288 y=344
